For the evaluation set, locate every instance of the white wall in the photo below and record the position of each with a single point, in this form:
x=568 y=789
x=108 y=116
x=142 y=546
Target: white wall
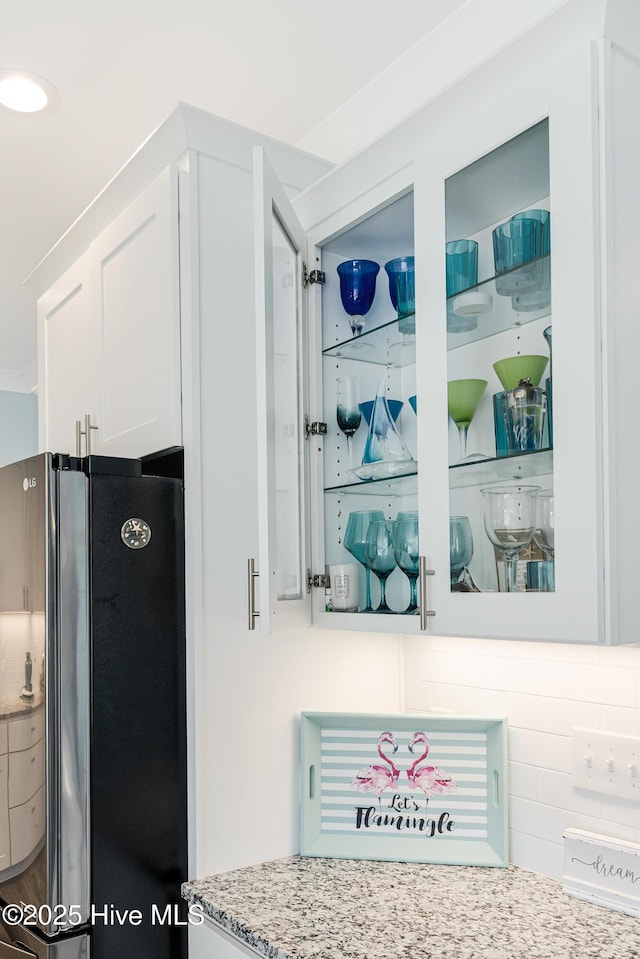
x=544 y=690
x=18 y=426
x=468 y=38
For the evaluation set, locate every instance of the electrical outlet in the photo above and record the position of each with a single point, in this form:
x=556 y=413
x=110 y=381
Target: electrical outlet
x=607 y=763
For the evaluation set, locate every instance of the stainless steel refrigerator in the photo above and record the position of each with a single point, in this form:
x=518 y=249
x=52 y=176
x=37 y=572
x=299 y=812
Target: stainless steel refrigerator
x=93 y=835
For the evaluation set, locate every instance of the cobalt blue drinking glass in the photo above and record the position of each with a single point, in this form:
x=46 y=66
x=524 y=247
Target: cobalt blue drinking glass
x=357 y=289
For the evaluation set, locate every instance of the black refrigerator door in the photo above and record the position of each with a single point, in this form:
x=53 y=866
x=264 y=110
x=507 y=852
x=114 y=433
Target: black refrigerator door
x=138 y=712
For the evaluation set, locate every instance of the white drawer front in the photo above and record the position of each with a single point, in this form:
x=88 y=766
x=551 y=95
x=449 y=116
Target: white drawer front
x=26 y=825
x=24 y=733
x=4 y=739
x=26 y=773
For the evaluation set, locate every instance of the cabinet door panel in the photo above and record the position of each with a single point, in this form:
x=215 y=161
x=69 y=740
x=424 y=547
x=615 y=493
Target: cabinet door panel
x=26 y=773
x=69 y=385
x=573 y=612
x=136 y=259
x=280 y=378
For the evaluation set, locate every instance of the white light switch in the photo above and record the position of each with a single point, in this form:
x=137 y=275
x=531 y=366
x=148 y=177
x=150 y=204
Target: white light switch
x=606 y=763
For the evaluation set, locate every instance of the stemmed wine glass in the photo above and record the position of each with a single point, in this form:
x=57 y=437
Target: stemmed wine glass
x=460 y=546
x=355 y=539
x=463 y=398
x=379 y=556
x=545 y=523
x=357 y=290
x=348 y=411
x=406 y=552
x=510 y=522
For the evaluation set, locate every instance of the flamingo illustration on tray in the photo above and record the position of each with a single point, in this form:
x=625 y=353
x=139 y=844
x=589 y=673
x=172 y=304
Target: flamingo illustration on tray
x=430 y=779
x=377 y=778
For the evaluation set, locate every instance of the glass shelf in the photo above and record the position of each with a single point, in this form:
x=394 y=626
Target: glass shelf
x=388 y=345
x=501 y=469
x=498 y=309
x=396 y=486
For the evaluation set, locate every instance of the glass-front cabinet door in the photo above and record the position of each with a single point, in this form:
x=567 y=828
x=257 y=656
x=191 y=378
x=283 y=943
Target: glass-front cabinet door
x=366 y=322
x=512 y=521
x=454 y=429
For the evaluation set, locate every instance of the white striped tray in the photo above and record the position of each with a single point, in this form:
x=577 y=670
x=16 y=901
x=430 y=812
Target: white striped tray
x=406 y=787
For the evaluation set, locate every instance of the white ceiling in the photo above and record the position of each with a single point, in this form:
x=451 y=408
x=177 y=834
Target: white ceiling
x=121 y=67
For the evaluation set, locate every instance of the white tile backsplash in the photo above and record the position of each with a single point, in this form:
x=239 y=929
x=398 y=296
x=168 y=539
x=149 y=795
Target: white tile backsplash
x=545 y=691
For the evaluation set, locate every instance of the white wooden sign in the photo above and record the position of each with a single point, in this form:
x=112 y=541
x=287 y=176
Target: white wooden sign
x=602 y=870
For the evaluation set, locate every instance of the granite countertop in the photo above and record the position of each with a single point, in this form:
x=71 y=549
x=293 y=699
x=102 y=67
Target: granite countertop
x=299 y=908
x=14 y=708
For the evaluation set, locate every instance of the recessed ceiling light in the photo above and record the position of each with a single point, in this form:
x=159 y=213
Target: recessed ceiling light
x=27 y=93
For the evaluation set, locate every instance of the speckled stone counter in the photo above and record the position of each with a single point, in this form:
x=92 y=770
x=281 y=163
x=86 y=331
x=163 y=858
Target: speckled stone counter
x=298 y=908
x=15 y=708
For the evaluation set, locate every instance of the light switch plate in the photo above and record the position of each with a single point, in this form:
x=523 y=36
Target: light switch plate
x=607 y=763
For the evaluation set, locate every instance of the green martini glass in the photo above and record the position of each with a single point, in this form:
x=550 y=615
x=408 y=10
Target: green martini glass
x=464 y=397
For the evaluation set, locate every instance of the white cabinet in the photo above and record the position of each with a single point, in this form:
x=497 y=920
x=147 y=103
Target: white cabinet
x=26 y=825
x=109 y=336
x=537 y=144
x=68 y=358
x=22 y=747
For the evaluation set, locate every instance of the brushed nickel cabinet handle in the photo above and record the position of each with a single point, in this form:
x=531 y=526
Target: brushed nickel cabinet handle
x=86 y=432
x=423 y=572
x=251 y=586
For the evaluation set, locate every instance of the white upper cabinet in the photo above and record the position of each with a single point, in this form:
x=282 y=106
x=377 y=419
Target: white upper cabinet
x=466 y=496
x=138 y=323
x=68 y=357
x=109 y=336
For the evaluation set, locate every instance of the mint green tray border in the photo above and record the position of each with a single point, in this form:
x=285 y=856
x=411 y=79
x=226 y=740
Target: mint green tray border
x=494 y=851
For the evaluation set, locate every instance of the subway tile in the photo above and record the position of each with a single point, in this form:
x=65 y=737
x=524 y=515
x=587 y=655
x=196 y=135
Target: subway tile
x=456 y=699
x=561 y=715
x=540 y=749
x=417 y=695
x=538 y=677
x=569 y=653
x=518 y=708
x=607 y=685
x=417 y=664
x=557 y=789
x=620 y=811
x=551 y=859
x=523 y=781
x=628 y=656
x=464 y=670
x=523 y=850
x=539 y=820
x=620 y=719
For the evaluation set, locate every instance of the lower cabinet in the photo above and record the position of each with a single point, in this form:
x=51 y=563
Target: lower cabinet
x=22 y=796
x=26 y=825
